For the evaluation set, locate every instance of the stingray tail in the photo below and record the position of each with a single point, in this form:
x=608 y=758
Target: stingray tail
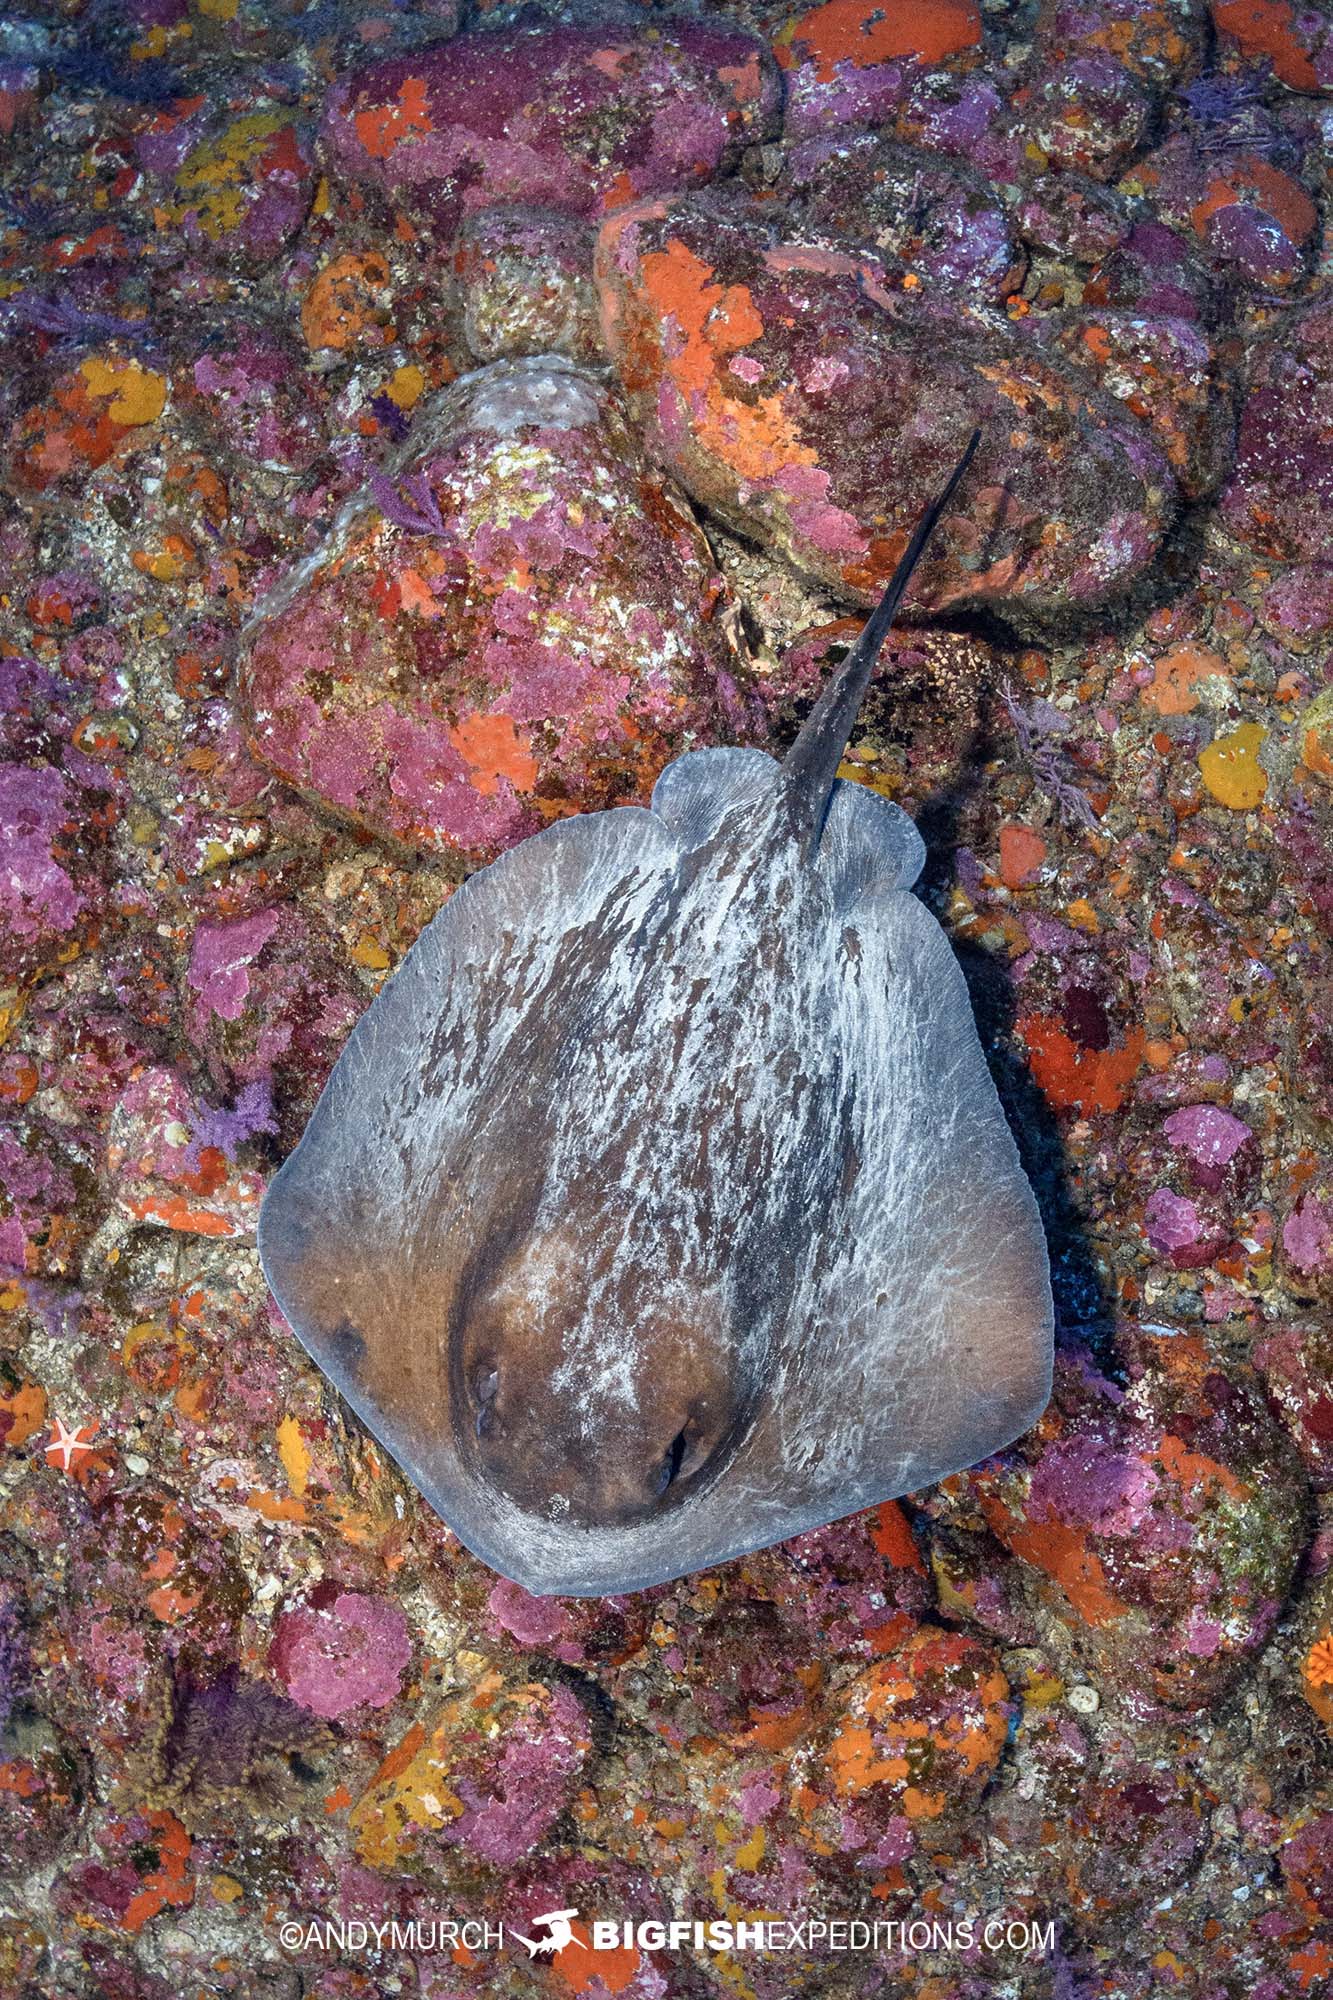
x=811 y=765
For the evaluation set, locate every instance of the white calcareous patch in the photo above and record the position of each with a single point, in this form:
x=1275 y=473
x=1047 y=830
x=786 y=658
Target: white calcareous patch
x=541 y=389
x=501 y=398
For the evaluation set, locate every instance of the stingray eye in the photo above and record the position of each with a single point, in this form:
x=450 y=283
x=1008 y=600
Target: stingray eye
x=485 y=1383
x=675 y=1457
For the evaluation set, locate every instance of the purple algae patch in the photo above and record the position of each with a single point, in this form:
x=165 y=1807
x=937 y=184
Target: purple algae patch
x=349 y=1653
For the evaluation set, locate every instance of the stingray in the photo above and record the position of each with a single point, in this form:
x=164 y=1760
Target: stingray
x=661 y=1206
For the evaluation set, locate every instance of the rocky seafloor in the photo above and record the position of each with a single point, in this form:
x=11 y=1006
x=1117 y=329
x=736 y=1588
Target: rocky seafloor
x=416 y=426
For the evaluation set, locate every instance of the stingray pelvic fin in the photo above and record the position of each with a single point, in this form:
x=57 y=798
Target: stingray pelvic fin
x=811 y=765
x=697 y=790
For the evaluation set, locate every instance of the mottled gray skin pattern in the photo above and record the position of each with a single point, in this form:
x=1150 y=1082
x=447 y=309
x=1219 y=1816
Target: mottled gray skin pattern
x=661 y=1206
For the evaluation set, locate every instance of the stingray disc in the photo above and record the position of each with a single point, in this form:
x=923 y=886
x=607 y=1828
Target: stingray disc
x=662 y=1206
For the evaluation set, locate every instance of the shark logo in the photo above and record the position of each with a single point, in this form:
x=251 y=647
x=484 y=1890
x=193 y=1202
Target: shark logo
x=557 y=1923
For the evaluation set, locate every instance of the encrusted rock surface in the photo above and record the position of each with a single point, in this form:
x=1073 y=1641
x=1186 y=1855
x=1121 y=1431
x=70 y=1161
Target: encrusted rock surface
x=1280 y=501
x=525 y=275
x=359 y=515
x=808 y=405
x=521 y=625
x=937 y=221
x=578 y=118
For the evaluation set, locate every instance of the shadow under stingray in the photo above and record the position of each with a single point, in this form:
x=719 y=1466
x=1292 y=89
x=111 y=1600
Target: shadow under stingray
x=1084 y=1309
x=1084 y=1312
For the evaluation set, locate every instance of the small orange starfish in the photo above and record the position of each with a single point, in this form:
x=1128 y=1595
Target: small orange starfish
x=66 y=1445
